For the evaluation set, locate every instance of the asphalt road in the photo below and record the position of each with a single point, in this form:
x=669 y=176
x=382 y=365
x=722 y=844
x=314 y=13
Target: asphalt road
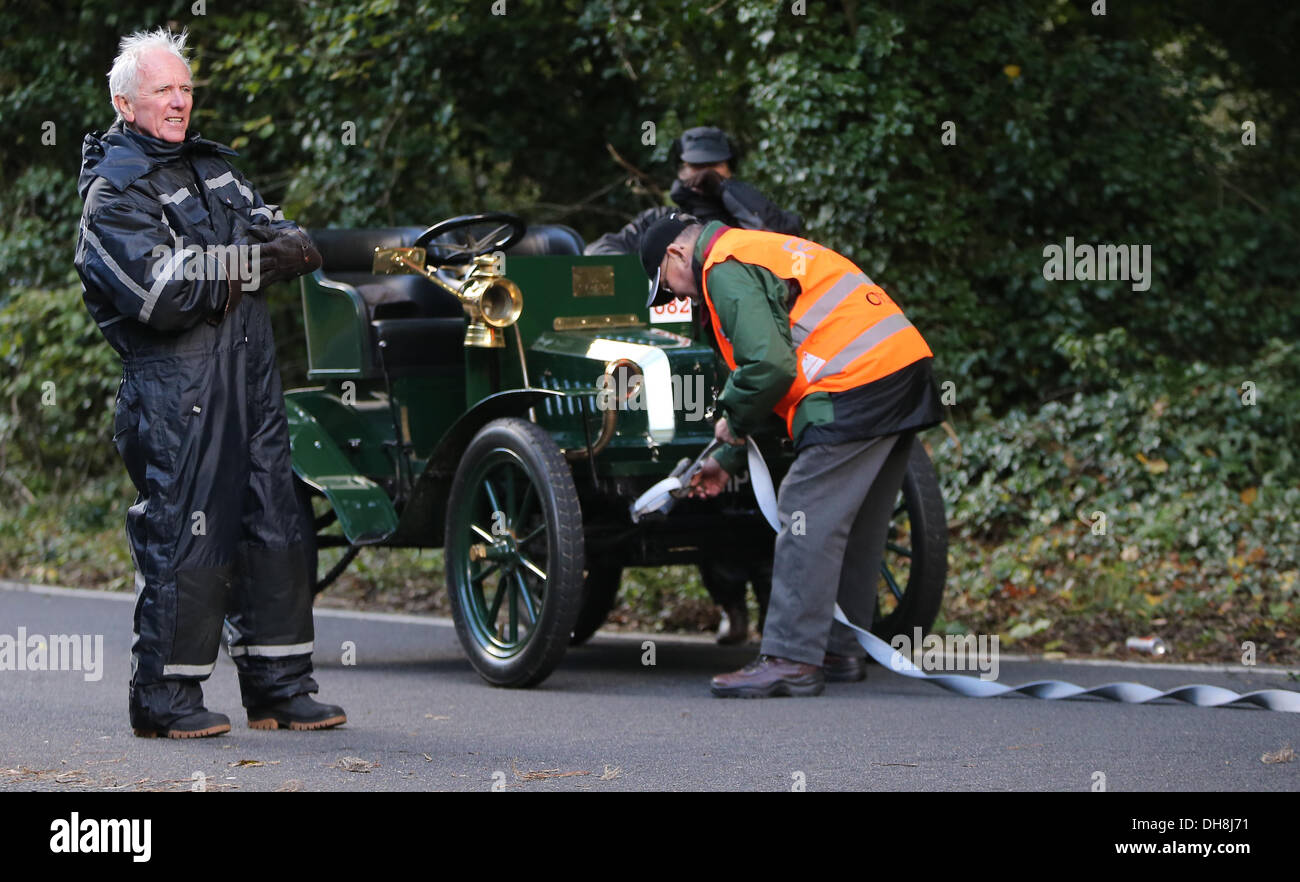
x=421 y=719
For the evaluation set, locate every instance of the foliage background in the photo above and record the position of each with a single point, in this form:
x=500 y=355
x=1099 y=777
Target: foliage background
x=1070 y=397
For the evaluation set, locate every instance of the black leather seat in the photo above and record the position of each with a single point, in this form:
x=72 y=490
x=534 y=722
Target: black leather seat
x=347 y=256
x=417 y=326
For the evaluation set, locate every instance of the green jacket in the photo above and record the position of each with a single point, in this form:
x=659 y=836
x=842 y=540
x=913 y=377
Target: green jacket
x=761 y=344
x=765 y=368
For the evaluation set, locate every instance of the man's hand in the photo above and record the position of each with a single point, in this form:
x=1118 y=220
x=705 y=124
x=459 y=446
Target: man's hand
x=283 y=254
x=254 y=237
x=257 y=233
x=709 y=481
x=722 y=432
x=704 y=180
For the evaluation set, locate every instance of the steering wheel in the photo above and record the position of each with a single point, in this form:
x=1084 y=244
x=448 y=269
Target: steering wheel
x=462 y=241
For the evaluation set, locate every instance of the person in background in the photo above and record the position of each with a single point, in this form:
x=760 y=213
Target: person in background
x=706 y=189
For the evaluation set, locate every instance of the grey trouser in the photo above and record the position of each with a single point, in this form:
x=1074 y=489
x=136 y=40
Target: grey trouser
x=834 y=504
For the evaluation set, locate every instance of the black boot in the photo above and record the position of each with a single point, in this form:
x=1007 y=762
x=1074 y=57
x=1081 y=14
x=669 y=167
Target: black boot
x=197 y=725
x=173 y=709
x=299 y=713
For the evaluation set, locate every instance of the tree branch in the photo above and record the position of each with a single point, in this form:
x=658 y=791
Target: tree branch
x=645 y=179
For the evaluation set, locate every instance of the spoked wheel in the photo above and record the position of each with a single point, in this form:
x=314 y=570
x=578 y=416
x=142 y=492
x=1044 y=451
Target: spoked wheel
x=514 y=553
x=915 y=565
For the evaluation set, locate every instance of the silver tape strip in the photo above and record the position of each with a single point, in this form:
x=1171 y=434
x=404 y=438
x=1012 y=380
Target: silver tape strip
x=1128 y=693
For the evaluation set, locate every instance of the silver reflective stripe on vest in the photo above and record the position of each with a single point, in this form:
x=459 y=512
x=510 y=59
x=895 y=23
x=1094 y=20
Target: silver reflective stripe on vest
x=149 y=299
x=273 y=651
x=229 y=178
x=825 y=304
x=862 y=344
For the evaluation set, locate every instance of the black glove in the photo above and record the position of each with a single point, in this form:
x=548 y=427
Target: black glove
x=710 y=183
x=287 y=254
x=282 y=254
x=704 y=180
x=234 y=266
x=257 y=233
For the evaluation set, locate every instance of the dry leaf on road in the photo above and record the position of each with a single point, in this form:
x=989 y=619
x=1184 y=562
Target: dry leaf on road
x=355 y=764
x=543 y=774
x=1283 y=754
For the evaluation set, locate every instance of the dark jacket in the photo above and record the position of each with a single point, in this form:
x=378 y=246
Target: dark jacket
x=146 y=198
x=737 y=205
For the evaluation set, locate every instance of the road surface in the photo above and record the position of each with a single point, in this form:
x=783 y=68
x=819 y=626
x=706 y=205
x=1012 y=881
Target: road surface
x=421 y=719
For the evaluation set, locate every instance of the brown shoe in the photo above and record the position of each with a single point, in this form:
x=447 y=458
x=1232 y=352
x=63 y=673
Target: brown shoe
x=767 y=676
x=844 y=668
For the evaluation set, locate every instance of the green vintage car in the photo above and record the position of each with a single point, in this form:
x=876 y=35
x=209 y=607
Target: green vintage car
x=483 y=388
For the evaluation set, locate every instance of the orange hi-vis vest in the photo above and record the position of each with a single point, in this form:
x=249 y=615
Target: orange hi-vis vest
x=846 y=330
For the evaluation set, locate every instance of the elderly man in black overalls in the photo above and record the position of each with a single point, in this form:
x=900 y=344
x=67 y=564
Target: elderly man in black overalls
x=174 y=248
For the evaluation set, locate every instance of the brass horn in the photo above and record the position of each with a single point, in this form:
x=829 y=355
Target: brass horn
x=498 y=302
x=491 y=301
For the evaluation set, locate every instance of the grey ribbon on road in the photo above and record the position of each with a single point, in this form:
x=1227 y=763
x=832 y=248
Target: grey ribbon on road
x=1129 y=693
x=973 y=687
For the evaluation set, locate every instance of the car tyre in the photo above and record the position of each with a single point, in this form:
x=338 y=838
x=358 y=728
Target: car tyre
x=927 y=556
x=514 y=553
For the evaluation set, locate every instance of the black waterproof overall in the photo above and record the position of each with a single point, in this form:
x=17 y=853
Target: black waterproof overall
x=199 y=423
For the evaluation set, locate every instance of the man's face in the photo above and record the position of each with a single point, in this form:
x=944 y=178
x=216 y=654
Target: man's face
x=677 y=275
x=161 y=109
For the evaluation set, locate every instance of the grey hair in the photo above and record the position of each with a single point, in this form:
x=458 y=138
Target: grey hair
x=124 y=78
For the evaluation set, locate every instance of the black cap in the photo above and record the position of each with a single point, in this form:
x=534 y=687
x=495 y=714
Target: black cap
x=705 y=145
x=654 y=245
